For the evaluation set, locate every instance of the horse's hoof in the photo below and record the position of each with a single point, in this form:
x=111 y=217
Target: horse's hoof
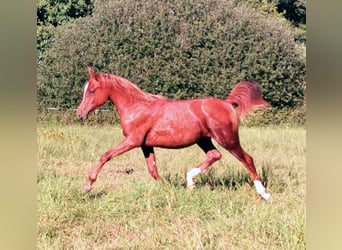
x=266 y=196
x=86 y=188
x=191 y=187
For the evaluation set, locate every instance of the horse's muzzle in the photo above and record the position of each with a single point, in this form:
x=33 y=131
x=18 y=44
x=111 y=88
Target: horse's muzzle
x=81 y=114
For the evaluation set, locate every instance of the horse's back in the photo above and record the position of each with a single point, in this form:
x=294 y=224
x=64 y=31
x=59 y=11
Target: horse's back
x=182 y=123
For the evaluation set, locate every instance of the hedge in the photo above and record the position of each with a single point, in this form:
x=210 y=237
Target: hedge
x=180 y=49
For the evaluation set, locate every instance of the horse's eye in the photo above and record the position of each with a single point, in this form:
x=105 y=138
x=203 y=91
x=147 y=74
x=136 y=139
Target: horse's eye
x=92 y=91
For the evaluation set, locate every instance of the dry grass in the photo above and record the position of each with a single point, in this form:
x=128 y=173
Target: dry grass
x=127 y=209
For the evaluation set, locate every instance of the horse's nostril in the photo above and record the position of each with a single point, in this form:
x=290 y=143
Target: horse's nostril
x=79 y=115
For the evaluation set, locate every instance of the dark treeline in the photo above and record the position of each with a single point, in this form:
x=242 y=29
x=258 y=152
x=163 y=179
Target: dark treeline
x=180 y=49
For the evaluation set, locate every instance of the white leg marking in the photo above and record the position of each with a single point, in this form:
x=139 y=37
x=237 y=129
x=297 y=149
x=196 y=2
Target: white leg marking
x=261 y=190
x=191 y=175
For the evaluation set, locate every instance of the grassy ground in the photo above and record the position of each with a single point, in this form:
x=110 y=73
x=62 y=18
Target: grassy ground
x=127 y=209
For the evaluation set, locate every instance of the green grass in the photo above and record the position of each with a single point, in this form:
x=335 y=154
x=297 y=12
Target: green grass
x=127 y=209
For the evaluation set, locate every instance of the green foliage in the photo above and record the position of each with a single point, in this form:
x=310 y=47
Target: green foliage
x=180 y=49
x=68 y=117
x=52 y=13
x=286 y=117
x=294 y=10
x=57 y=12
x=266 y=6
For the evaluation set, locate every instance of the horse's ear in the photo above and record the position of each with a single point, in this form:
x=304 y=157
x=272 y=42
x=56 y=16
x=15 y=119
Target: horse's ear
x=91 y=72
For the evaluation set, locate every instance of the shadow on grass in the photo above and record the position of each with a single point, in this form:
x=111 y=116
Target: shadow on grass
x=96 y=195
x=209 y=179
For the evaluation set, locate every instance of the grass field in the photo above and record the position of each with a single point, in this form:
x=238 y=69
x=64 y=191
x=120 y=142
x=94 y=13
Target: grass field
x=127 y=209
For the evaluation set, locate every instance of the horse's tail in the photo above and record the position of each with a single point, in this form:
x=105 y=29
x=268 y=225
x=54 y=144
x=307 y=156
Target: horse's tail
x=246 y=97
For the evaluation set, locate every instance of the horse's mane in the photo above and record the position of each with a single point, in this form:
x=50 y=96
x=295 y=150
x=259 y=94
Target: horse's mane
x=125 y=86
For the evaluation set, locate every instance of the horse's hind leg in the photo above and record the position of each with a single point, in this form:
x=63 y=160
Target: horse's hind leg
x=212 y=155
x=234 y=147
x=151 y=161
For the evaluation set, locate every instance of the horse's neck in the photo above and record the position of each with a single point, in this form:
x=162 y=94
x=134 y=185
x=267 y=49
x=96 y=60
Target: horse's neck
x=121 y=104
x=124 y=99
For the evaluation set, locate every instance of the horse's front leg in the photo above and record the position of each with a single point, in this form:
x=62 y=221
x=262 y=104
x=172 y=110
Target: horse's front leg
x=122 y=147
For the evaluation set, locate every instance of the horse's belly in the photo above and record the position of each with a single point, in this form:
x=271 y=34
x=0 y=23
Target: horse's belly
x=173 y=136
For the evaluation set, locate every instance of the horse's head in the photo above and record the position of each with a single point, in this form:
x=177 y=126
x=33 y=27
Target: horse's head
x=94 y=95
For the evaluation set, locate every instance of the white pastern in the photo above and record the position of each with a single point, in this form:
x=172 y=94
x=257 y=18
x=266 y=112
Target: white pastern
x=261 y=190
x=191 y=175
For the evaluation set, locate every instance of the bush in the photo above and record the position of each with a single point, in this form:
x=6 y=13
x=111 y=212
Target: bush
x=286 y=117
x=180 y=49
x=52 y=13
x=67 y=117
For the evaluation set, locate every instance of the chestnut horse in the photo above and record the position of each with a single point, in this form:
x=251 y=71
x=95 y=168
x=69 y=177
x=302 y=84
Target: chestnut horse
x=150 y=121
